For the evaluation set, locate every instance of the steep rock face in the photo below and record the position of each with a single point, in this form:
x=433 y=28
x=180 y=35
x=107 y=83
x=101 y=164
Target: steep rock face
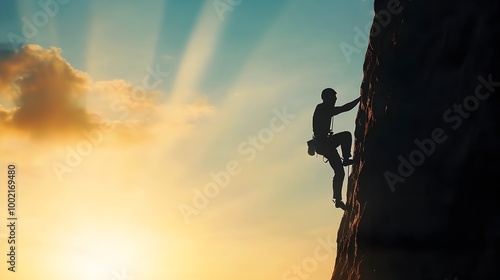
x=428 y=143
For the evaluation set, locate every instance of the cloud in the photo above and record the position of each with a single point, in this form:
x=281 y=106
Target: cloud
x=43 y=97
x=120 y=92
x=46 y=93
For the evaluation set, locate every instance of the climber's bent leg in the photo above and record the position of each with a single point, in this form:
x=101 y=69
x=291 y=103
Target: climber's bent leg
x=344 y=140
x=345 y=143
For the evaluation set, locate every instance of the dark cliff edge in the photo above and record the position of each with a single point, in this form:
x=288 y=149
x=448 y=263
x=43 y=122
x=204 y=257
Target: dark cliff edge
x=427 y=137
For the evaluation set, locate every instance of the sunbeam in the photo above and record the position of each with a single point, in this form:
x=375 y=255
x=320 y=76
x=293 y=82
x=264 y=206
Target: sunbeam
x=199 y=51
x=113 y=53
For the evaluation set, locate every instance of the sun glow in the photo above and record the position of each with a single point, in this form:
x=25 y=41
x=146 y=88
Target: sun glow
x=101 y=255
x=87 y=268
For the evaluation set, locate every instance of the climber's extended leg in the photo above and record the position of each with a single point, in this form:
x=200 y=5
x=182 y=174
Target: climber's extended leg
x=338 y=178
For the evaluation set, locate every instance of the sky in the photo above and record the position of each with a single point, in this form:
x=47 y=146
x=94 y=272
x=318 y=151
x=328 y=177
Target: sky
x=157 y=140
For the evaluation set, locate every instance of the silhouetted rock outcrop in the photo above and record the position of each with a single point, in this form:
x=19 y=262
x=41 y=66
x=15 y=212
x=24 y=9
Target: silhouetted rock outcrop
x=428 y=143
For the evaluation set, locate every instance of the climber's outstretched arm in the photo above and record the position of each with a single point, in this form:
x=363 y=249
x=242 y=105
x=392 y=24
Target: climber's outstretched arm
x=346 y=107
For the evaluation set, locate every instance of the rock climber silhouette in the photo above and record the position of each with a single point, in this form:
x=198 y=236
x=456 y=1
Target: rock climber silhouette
x=325 y=142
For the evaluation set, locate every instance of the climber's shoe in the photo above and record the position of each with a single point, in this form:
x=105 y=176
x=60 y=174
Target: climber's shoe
x=340 y=204
x=347 y=161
